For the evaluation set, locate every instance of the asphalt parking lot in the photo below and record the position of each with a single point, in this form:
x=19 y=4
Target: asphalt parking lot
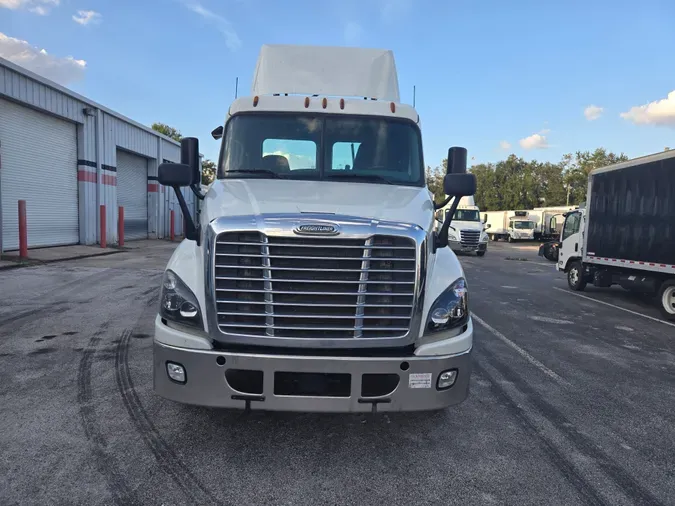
x=572 y=402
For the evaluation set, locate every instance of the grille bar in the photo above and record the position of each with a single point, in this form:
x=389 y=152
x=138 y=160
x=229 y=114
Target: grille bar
x=318 y=287
x=364 y=272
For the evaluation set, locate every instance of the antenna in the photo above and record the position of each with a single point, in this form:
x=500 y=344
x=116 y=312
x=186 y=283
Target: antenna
x=236 y=88
x=413 y=95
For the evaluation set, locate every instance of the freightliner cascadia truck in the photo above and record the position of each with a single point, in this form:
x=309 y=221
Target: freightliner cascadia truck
x=312 y=277
x=625 y=233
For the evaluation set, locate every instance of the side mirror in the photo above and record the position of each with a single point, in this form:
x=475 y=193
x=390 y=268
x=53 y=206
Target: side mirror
x=487 y=226
x=217 y=133
x=189 y=155
x=456 y=161
x=175 y=174
x=459 y=185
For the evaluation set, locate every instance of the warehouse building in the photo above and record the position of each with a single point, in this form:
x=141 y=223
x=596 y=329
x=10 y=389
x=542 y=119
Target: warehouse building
x=66 y=156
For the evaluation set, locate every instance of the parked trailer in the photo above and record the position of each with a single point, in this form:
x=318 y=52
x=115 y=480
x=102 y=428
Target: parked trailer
x=509 y=225
x=547 y=223
x=626 y=234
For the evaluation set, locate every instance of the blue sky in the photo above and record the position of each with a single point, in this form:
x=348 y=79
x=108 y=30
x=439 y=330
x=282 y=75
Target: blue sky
x=496 y=77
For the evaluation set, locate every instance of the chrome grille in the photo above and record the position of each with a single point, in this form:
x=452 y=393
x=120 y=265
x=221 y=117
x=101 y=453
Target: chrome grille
x=300 y=287
x=470 y=238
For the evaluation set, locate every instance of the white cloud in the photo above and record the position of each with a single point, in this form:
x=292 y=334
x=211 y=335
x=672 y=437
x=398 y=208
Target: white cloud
x=505 y=145
x=232 y=40
x=62 y=70
x=593 y=112
x=40 y=7
x=659 y=112
x=353 y=33
x=535 y=141
x=86 y=17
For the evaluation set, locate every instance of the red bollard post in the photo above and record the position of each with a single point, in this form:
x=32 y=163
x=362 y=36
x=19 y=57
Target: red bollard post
x=103 y=226
x=23 y=230
x=172 y=220
x=120 y=226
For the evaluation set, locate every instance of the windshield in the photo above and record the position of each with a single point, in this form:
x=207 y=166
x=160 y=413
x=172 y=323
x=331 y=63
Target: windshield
x=466 y=215
x=311 y=147
x=523 y=225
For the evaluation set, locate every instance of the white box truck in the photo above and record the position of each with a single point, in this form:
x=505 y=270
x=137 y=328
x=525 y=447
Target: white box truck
x=625 y=235
x=467 y=233
x=548 y=221
x=312 y=278
x=510 y=225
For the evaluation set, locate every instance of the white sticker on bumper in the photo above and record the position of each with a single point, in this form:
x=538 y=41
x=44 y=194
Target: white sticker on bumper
x=419 y=380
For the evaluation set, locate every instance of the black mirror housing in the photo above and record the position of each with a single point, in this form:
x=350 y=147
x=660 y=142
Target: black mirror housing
x=459 y=185
x=189 y=155
x=456 y=161
x=175 y=174
x=217 y=133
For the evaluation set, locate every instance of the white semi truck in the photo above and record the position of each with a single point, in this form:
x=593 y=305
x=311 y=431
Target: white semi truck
x=467 y=233
x=625 y=234
x=510 y=225
x=312 y=278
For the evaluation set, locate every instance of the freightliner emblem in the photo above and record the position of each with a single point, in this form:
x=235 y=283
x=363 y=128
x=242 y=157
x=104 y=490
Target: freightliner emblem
x=317 y=229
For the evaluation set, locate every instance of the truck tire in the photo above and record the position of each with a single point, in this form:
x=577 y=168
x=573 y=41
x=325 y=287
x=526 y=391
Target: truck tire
x=575 y=277
x=667 y=299
x=510 y=239
x=480 y=253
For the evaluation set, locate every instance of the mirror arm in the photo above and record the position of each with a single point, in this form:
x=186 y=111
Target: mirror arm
x=197 y=192
x=441 y=239
x=192 y=231
x=442 y=204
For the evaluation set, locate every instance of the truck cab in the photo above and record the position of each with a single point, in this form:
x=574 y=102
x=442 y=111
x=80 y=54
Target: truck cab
x=467 y=233
x=520 y=228
x=313 y=278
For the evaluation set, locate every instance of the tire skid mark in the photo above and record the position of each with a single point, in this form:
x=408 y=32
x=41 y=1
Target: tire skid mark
x=121 y=493
x=63 y=289
x=167 y=458
x=583 y=443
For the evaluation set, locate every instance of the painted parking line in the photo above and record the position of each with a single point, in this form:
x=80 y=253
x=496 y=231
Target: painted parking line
x=548 y=372
x=614 y=306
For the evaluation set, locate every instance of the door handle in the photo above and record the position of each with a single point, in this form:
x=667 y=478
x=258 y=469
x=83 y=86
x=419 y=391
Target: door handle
x=576 y=246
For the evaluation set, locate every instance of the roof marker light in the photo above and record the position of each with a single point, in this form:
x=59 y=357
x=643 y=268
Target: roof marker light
x=342 y=103
x=255 y=101
x=324 y=102
x=392 y=106
x=306 y=102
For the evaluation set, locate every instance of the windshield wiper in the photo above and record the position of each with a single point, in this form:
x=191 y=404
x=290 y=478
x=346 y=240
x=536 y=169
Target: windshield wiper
x=265 y=172
x=373 y=178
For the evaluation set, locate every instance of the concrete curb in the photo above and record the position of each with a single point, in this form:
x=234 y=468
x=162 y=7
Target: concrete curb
x=31 y=262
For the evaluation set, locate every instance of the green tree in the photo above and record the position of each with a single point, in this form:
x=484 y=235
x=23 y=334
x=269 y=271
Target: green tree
x=208 y=171
x=167 y=130
x=578 y=167
x=434 y=179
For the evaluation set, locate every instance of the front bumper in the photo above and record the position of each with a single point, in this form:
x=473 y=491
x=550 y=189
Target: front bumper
x=207 y=384
x=457 y=246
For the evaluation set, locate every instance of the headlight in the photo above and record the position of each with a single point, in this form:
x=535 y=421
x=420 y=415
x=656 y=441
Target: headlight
x=177 y=302
x=450 y=310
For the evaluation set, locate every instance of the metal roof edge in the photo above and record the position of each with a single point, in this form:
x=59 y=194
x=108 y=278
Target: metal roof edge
x=62 y=89
x=654 y=157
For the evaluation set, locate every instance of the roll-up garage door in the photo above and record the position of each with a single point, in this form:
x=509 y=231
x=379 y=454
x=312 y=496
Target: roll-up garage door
x=132 y=193
x=38 y=159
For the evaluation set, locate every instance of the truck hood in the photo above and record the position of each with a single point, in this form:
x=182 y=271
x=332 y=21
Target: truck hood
x=242 y=197
x=467 y=225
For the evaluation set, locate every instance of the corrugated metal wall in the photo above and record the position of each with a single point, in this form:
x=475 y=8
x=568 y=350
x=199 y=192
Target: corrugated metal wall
x=99 y=133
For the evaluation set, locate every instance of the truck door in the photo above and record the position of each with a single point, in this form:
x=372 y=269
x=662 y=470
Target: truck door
x=570 y=239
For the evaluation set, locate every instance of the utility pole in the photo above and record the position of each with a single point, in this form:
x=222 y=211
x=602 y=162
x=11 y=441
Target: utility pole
x=236 y=88
x=414 y=95
x=568 y=194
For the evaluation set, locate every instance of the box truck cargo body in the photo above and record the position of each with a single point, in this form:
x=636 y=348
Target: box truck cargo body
x=626 y=233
